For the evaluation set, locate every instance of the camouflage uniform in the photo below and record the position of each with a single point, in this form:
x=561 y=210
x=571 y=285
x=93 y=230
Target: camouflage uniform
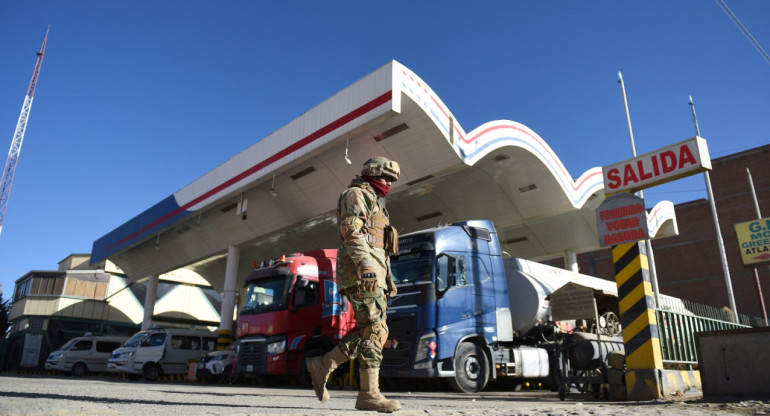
x=363 y=275
x=357 y=206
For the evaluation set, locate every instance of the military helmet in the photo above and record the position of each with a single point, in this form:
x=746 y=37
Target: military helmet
x=380 y=166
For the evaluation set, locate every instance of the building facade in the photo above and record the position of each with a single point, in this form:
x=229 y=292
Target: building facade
x=51 y=307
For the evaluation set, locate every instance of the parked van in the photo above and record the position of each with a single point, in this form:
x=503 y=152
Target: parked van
x=158 y=351
x=83 y=354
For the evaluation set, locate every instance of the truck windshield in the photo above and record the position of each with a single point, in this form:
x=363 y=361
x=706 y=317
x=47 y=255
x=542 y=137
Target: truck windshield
x=267 y=294
x=136 y=339
x=412 y=267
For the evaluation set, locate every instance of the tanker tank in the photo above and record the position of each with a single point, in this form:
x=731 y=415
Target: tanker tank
x=529 y=283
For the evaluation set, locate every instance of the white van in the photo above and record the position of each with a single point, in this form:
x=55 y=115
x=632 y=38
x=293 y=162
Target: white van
x=158 y=351
x=83 y=354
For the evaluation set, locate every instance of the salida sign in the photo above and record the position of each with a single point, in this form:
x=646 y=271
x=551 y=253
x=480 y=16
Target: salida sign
x=663 y=165
x=621 y=219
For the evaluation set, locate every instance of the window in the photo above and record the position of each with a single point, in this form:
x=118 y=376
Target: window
x=154 y=340
x=450 y=272
x=209 y=344
x=22 y=289
x=82 y=345
x=412 y=267
x=186 y=342
x=305 y=293
x=107 y=346
x=267 y=294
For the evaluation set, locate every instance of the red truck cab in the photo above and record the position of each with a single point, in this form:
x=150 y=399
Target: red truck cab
x=292 y=310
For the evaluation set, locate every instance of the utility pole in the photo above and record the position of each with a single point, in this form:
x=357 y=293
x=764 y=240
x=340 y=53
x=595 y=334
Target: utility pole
x=647 y=242
x=18 y=137
x=717 y=228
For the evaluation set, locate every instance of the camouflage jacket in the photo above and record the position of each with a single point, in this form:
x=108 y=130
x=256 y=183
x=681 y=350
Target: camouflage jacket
x=356 y=206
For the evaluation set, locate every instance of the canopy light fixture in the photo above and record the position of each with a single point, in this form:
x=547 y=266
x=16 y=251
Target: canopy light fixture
x=303 y=172
x=272 y=188
x=528 y=188
x=391 y=132
x=429 y=216
x=347 y=159
x=515 y=240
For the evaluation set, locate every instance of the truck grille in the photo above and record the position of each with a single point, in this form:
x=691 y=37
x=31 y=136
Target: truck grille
x=402 y=328
x=253 y=353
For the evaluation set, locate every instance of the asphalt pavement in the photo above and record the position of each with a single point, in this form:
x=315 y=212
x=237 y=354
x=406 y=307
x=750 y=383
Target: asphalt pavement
x=30 y=395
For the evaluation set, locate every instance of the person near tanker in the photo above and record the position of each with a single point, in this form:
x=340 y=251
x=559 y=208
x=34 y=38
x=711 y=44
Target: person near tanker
x=363 y=275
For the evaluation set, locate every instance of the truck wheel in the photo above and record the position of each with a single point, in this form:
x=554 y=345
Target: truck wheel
x=471 y=369
x=228 y=376
x=151 y=372
x=79 y=370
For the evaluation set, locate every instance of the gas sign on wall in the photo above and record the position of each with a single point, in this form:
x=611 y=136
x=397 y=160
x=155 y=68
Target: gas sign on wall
x=663 y=165
x=621 y=219
x=754 y=240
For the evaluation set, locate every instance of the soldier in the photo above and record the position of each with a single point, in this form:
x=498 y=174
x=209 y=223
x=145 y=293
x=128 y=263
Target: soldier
x=363 y=274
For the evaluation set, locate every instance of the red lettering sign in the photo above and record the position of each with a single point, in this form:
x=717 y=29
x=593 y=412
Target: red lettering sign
x=663 y=165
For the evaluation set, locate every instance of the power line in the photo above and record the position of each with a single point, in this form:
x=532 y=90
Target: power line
x=743 y=29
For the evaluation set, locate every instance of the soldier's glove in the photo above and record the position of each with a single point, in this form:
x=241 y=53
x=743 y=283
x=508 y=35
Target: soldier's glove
x=392 y=290
x=368 y=283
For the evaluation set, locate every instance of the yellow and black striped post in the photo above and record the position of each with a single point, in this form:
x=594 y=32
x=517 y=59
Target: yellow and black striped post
x=225 y=337
x=644 y=360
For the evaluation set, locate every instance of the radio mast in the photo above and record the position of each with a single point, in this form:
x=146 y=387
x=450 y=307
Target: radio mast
x=18 y=136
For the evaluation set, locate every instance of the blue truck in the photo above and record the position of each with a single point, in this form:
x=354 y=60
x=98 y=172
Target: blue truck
x=469 y=313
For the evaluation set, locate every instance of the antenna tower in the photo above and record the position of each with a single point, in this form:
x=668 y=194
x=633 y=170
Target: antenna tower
x=18 y=137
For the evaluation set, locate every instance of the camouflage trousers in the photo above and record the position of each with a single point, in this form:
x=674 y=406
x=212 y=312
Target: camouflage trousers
x=371 y=332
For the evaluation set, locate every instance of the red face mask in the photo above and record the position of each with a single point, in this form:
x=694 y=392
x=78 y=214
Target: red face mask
x=380 y=188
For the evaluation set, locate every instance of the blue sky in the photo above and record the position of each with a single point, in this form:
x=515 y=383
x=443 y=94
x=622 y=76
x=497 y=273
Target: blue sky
x=136 y=99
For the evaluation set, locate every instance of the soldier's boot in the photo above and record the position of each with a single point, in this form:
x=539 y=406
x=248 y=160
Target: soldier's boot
x=321 y=367
x=369 y=397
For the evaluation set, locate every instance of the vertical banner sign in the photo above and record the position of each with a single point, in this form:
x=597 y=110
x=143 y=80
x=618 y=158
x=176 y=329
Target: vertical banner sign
x=621 y=219
x=754 y=241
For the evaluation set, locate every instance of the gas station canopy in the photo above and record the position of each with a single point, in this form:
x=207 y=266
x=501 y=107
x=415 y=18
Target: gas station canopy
x=279 y=196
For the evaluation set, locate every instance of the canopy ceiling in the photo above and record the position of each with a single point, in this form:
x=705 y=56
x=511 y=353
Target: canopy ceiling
x=501 y=171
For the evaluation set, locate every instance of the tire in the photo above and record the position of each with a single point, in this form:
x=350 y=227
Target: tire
x=151 y=372
x=471 y=369
x=228 y=376
x=79 y=370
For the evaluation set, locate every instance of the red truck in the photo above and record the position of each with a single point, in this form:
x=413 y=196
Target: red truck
x=292 y=311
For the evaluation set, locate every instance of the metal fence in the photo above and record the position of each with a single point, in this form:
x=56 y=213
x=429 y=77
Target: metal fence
x=676 y=331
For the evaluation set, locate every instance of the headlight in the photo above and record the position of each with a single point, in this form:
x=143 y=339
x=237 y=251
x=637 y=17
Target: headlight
x=426 y=351
x=54 y=356
x=276 y=347
x=122 y=355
